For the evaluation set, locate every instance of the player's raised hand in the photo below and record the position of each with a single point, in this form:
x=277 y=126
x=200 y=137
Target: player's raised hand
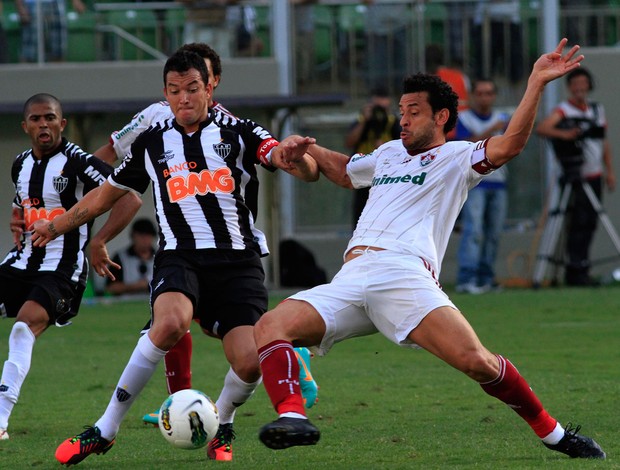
x=554 y=64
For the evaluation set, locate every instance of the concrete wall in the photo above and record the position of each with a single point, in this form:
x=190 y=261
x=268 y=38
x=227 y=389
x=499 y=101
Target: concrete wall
x=124 y=81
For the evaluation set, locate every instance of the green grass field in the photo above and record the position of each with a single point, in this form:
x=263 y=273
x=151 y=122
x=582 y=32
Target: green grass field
x=380 y=406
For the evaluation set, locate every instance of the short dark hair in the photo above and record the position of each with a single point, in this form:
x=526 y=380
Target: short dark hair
x=41 y=98
x=580 y=72
x=206 y=52
x=440 y=95
x=144 y=226
x=380 y=91
x=182 y=61
x=479 y=80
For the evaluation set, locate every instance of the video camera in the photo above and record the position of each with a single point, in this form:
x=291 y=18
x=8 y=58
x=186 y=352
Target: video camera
x=570 y=152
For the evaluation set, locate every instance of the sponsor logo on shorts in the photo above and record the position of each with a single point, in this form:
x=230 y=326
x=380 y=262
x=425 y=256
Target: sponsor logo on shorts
x=4 y=388
x=385 y=179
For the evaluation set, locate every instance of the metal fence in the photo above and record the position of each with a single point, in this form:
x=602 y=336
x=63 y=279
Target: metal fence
x=340 y=45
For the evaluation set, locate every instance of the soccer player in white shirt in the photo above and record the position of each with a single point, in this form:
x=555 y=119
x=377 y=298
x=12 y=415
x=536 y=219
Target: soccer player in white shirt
x=389 y=282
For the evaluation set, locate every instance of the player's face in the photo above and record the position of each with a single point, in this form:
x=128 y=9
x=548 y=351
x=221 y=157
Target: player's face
x=579 y=87
x=188 y=97
x=484 y=95
x=421 y=129
x=44 y=124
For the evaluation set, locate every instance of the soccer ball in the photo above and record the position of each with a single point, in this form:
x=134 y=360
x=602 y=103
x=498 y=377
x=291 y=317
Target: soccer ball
x=188 y=419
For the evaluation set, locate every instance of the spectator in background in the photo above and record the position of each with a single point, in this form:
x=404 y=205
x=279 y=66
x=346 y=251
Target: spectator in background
x=386 y=43
x=453 y=76
x=54 y=23
x=577 y=128
x=207 y=22
x=303 y=13
x=484 y=211
x=503 y=56
x=135 y=261
x=246 y=41
x=376 y=124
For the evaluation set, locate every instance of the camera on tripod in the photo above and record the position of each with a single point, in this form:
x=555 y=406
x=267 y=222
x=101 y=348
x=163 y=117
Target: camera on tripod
x=570 y=152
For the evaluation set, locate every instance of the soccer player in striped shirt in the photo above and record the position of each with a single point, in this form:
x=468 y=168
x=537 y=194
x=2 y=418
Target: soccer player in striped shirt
x=202 y=169
x=40 y=287
x=178 y=359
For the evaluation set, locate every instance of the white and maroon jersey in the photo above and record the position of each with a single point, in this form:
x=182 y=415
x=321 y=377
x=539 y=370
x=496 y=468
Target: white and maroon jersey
x=47 y=188
x=415 y=199
x=592 y=116
x=121 y=140
x=205 y=185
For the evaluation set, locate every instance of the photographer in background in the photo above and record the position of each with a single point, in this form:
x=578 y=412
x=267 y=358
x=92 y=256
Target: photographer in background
x=577 y=131
x=136 y=261
x=376 y=124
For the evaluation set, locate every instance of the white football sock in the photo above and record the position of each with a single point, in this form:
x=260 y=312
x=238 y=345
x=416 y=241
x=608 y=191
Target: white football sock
x=234 y=394
x=554 y=436
x=136 y=375
x=21 y=343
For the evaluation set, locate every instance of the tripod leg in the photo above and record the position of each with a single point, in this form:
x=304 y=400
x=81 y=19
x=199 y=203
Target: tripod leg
x=602 y=215
x=549 y=239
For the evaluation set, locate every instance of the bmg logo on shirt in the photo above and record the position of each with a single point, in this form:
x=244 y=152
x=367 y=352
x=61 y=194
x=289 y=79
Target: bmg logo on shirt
x=207 y=181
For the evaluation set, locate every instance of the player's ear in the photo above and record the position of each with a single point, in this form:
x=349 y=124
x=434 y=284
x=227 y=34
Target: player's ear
x=442 y=116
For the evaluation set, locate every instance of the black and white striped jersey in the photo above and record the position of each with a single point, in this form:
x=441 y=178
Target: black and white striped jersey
x=47 y=188
x=205 y=185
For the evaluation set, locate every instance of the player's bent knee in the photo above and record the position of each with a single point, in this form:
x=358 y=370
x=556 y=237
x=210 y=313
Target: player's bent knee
x=481 y=366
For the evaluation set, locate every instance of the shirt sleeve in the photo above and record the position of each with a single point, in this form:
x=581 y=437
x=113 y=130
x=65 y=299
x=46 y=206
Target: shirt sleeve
x=131 y=174
x=361 y=169
x=122 y=139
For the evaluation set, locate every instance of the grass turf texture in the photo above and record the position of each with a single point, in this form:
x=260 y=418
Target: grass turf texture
x=380 y=406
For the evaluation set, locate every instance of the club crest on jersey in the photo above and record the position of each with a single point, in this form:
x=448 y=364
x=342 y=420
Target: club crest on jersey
x=222 y=149
x=427 y=159
x=60 y=183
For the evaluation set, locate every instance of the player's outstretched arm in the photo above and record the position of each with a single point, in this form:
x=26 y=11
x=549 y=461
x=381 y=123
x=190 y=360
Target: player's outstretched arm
x=332 y=164
x=95 y=203
x=548 y=67
x=291 y=156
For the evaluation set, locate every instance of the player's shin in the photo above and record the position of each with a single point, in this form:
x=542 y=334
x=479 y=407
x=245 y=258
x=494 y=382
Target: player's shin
x=281 y=377
x=234 y=394
x=511 y=388
x=178 y=365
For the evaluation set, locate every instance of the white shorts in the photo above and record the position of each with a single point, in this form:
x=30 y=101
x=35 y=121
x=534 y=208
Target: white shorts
x=380 y=291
